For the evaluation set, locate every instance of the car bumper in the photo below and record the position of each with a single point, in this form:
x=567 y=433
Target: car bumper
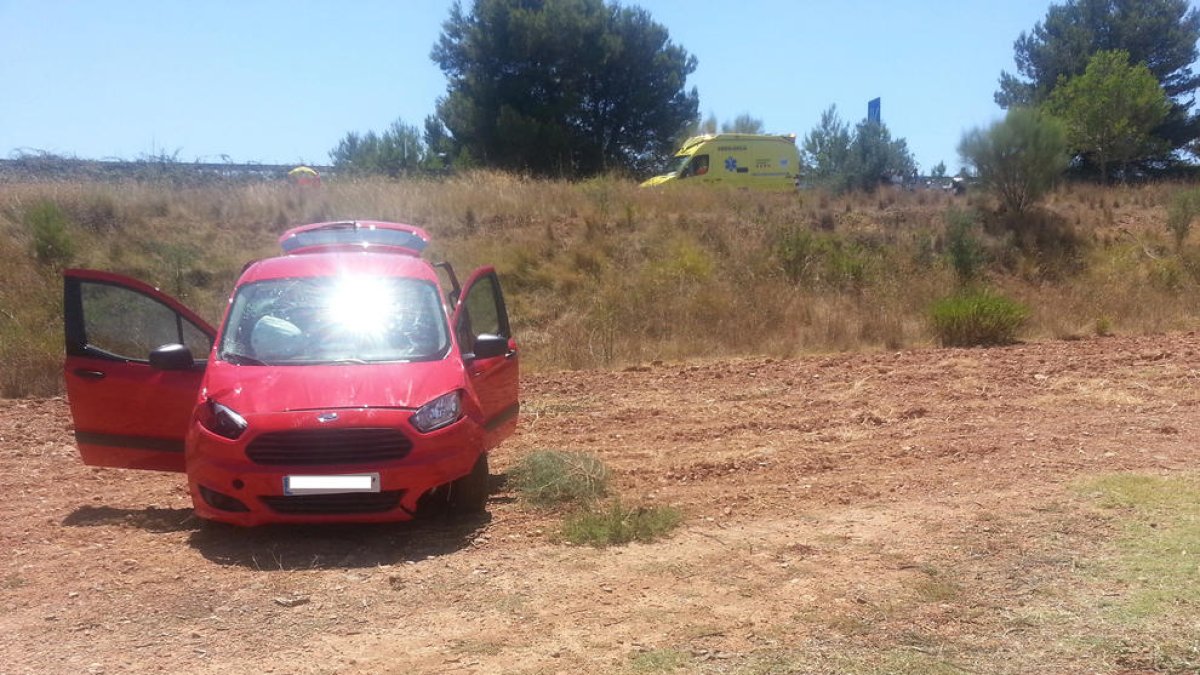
x=231 y=482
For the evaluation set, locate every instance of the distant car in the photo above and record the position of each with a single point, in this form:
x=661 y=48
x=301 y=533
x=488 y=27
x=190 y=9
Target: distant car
x=344 y=385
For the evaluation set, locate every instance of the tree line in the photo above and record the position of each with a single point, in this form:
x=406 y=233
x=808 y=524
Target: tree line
x=574 y=88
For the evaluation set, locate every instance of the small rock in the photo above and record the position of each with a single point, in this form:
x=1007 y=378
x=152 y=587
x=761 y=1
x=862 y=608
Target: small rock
x=292 y=601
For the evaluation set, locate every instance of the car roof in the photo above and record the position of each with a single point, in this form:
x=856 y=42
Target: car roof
x=336 y=263
x=346 y=235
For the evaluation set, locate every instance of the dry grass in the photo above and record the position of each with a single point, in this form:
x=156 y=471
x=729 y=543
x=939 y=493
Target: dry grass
x=602 y=273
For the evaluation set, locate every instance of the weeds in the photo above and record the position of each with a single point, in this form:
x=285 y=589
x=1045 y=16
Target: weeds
x=52 y=241
x=1185 y=207
x=616 y=524
x=548 y=477
x=555 y=478
x=658 y=661
x=977 y=318
x=962 y=245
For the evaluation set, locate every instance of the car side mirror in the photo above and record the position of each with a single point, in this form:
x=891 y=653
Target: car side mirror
x=172 y=357
x=490 y=346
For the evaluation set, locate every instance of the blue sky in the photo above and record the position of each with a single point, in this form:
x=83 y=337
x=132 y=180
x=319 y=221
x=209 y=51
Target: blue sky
x=281 y=82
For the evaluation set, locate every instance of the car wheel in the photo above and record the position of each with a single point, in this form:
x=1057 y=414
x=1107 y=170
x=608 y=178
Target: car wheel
x=469 y=494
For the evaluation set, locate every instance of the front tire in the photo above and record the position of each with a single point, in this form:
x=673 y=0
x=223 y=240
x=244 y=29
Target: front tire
x=469 y=494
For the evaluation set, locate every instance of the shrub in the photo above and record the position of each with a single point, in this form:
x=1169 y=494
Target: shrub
x=1018 y=159
x=975 y=318
x=821 y=258
x=962 y=246
x=618 y=524
x=52 y=242
x=1184 y=208
x=548 y=477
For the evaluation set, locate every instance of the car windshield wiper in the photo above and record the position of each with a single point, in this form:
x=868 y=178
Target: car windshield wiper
x=242 y=359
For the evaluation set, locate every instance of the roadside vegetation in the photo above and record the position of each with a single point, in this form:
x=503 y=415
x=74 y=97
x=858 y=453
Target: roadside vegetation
x=601 y=273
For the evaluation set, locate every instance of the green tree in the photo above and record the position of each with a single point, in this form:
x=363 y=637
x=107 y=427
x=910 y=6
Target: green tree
x=826 y=148
x=1019 y=159
x=562 y=87
x=1111 y=110
x=743 y=124
x=938 y=170
x=837 y=158
x=398 y=150
x=1159 y=33
x=875 y=157
x=438 y=144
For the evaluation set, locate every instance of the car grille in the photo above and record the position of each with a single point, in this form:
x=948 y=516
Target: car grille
x=309 y=447
x=350 y=502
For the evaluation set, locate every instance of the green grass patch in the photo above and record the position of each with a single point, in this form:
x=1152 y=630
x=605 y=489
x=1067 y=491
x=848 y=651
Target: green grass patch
x=615 y=524
x=549 y=477
x=1159 y=559
x=977 y=318
x=658 y=661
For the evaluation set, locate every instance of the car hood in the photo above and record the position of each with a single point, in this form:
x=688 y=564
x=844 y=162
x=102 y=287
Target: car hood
x=266 y=389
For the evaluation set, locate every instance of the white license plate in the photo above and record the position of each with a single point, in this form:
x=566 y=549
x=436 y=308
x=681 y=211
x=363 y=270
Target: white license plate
x=329 y=485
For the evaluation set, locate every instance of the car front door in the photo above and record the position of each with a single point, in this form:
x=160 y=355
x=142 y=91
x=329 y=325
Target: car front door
x=128 y=414
x=495 y=378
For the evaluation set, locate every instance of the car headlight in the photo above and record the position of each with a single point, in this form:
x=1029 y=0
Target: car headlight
x=222 y=420
x=438 y=413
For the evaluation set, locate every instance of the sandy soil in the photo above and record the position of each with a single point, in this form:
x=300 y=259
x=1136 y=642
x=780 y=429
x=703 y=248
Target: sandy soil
x=916 y=511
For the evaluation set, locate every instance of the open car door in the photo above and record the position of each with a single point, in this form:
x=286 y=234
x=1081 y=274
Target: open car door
x=487 y=343
x=128 y=414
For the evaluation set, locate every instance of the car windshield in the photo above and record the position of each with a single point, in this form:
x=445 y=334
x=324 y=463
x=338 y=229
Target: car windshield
x=676 y=164
x=335 y=320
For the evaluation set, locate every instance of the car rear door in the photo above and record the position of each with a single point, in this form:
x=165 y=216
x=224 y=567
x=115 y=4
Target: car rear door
x=126 y=413
x=481 y=311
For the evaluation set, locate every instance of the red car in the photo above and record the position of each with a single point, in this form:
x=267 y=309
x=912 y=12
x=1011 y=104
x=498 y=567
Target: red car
x=345 y=384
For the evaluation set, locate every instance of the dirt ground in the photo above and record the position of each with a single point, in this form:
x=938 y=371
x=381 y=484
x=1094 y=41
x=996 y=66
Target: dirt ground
x=917 y=511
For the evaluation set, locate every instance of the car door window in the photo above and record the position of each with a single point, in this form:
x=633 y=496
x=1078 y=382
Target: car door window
x=697 y=167
x=483 y=312
x=129 y=325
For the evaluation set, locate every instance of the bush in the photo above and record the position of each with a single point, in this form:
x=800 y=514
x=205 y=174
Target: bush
x=52 y=242
x=977 y=318
x=1184 y=208
x=1018 y=159
x=548 y=477
x=963 y=247
x=617 y=524
x=821 y=259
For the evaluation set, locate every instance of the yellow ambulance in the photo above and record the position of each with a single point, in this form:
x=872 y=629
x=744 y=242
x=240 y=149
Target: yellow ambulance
x=735 y=160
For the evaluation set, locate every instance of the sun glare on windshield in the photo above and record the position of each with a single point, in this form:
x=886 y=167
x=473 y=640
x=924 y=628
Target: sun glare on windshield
x=360 y=305
x=339 y=319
